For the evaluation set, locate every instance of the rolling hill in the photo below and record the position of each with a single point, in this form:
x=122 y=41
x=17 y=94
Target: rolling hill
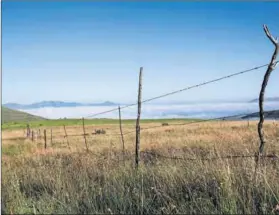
x=267 y=115
x=9 y=115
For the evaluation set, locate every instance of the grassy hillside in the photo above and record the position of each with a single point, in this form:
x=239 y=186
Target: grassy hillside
x=9 y=115
x=267 y=114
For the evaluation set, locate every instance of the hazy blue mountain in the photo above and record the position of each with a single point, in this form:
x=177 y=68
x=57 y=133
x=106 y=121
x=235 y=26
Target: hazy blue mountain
x=43 y=104
x=14 y=106
x=271 y=99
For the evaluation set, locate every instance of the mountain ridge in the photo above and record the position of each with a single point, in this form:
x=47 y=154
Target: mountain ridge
x=42 y=104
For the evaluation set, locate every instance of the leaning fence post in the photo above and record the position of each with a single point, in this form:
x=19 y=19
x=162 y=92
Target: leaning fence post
x=45 y=138
x=84 y=135
x=66 y=136
x=137 y=158
x=122 y=137
x=270 y=68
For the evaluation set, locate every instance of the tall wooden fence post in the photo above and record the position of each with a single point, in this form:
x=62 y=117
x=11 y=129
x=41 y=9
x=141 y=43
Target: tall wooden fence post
x=45 y=138
x=66 y=136
x=137 y=158
x=122 y=137
x=270 y=68
x=84 y=135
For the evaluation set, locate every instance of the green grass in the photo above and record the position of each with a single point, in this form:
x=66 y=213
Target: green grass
x=68 y=122
x=10 y=116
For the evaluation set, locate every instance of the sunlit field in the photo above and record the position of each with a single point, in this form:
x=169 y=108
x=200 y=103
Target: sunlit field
x=176 y=175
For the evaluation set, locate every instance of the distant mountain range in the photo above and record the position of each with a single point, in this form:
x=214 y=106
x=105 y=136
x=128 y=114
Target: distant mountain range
x=43 y=104
x=272 y=99
x=16 y=106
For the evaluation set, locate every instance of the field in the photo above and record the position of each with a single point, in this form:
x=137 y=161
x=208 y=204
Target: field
x=173 y=177
x=78 y=122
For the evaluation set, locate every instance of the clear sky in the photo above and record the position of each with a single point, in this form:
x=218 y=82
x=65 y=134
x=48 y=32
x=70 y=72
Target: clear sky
x=92 y=51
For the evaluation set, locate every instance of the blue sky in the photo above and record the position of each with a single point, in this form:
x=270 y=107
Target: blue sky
x=92 y=51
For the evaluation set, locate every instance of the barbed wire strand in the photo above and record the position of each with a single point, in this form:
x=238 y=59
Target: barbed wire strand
x=177 y=91
x=175 y=124
x=274 y=156
x=197 y=121
x=181 y=90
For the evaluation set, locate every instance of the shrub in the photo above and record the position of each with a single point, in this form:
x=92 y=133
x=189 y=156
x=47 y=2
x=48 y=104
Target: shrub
x=100 y=131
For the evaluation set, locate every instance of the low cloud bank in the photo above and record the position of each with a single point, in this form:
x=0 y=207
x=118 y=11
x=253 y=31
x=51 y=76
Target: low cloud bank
x=204 y=111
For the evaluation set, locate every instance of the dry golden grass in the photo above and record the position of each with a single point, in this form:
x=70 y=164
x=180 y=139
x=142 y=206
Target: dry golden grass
x=223 y=135
x=98 y=181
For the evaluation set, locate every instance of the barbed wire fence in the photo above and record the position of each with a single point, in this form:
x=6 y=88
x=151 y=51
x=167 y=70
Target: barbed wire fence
x=271 y=66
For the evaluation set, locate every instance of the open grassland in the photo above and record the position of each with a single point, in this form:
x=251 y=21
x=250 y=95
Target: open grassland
x=12 y=125
x=67 y=179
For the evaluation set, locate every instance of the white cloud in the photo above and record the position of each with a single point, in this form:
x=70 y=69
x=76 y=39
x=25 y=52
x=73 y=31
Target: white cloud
x=156 y=111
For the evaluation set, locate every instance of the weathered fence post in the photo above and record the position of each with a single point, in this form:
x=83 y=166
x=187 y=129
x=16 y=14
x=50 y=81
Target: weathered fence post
x=27 y=130
x=66 y=136
x=84 y=135
x=45 y=138
x=137 y=158
x=122 y=137
x=32 y=136
x=51 y=136
x=270 y=68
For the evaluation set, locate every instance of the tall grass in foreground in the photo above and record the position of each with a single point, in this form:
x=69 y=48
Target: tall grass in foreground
x=70 y=181
x=81 y=183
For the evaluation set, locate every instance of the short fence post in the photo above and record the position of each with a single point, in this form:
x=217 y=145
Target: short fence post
x=32 y=136
x=45 y=138
x=84 y=135
x=66 y=136
x=51 y=136
x=28 y=130
x=137 y=158
x=122 y=137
